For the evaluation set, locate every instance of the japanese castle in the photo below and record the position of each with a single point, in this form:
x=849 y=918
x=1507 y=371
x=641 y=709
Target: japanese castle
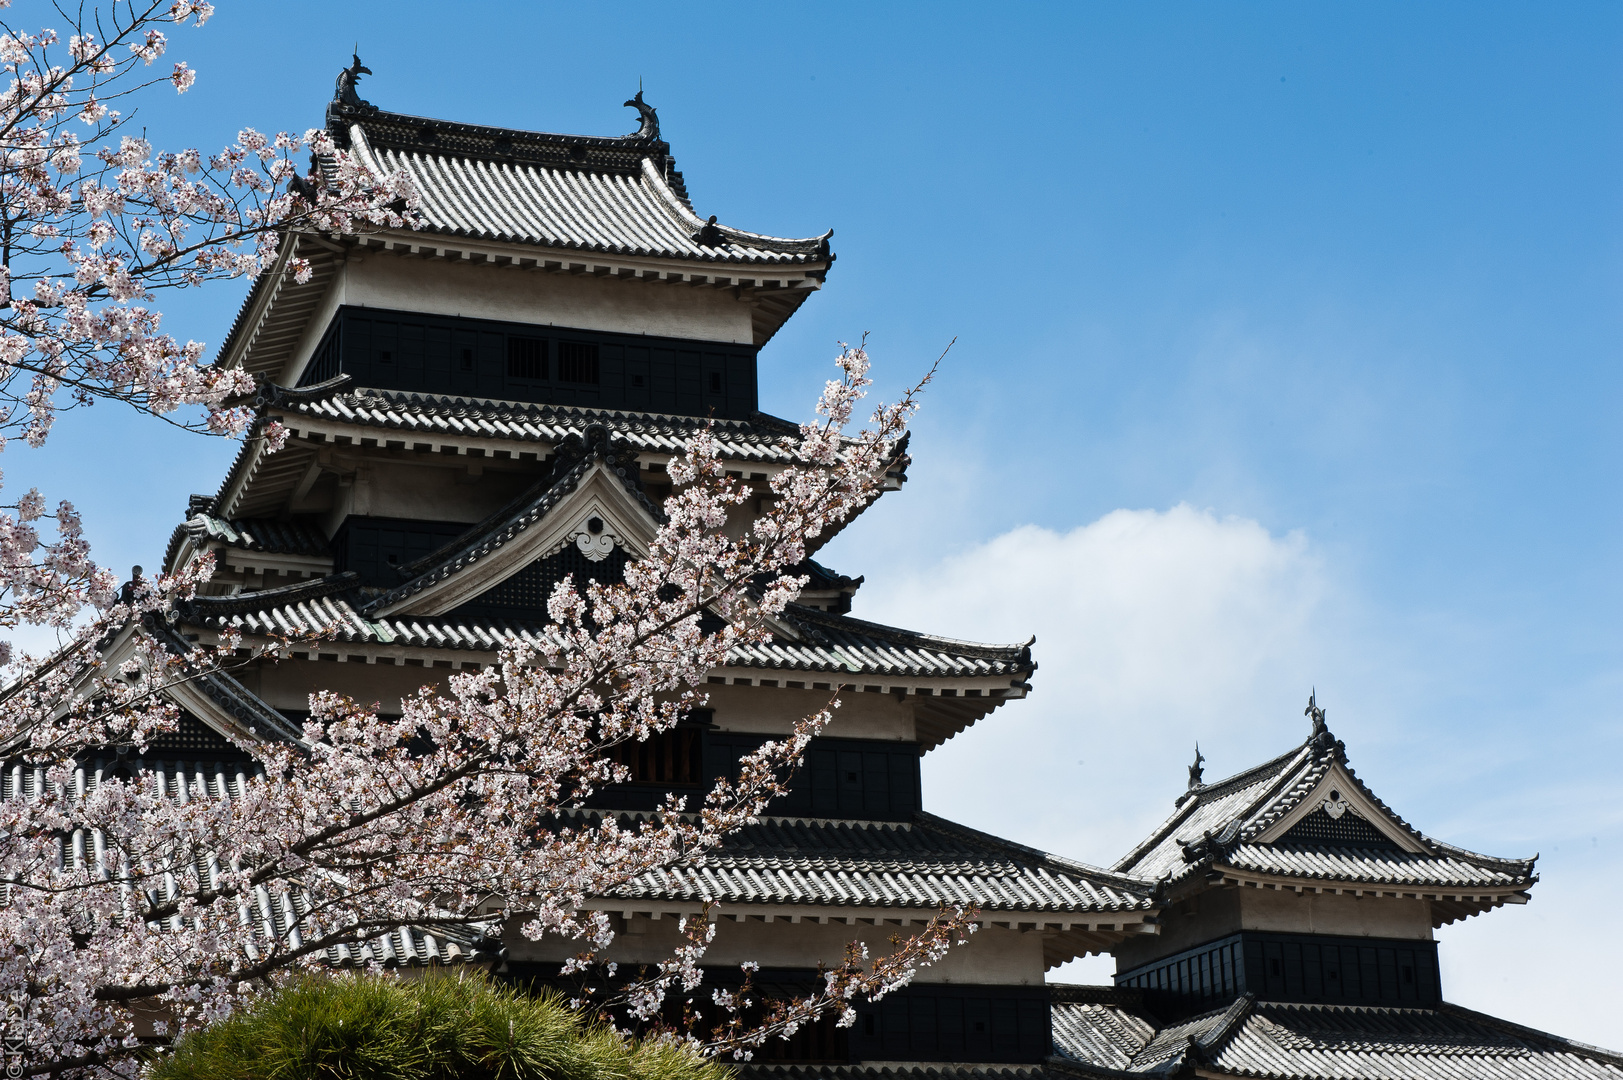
x=478 y=407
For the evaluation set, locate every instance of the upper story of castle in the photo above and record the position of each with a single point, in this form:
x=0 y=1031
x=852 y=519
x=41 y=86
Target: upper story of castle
x=482 y=405
x=545 y=268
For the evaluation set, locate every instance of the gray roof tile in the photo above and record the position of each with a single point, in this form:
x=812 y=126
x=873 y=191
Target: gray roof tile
x=919 y=864
x=575 y=193
x=1218 y=825
x=761 y=439
x=833 y=644
x=1321 y=1042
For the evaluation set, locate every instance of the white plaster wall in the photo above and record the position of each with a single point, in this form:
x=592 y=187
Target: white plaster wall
x=417 y=486
x=774 y=710
x=1344 y=915
x=484 y=291
x=288 y=685
x=991 y=956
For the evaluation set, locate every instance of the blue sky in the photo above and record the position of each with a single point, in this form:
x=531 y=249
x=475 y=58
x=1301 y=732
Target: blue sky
x=1287 y=354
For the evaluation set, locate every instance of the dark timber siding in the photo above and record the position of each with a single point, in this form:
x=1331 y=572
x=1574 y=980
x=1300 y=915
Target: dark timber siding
x=853 y=779
x=932 y=1022
x=1292 y=967
x=554 y=365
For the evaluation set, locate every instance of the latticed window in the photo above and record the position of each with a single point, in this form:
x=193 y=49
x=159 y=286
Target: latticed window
x=1319 y=829
x=670 y=757
x=192 y=739
x=577 y=362
x=527 y=358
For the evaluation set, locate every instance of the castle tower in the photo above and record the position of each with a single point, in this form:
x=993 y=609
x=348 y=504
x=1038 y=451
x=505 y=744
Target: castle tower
x=481 y=406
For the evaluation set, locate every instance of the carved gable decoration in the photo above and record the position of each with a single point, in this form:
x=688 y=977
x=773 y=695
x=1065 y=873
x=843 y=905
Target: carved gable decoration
x=587 y=521
x=1340 y=812
x=1321 y=828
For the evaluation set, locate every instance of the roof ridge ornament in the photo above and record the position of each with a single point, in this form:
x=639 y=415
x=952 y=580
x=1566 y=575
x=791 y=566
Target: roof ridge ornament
x=649 y=129
x=344 y=90
x=1195 y=770
x=1313 y=710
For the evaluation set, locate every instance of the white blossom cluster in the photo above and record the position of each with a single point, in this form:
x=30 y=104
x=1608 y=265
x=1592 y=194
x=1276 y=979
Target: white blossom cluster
x=94 y=223
x=121 y=897
x=463 y=814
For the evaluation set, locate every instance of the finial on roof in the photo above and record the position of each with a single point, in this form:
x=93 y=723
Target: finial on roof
x=1195 y=771
x=344 y=92
x=1316 y=713
x=650 y=118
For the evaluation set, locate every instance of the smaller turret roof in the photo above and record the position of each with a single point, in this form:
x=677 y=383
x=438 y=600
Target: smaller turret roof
x=1305 y=817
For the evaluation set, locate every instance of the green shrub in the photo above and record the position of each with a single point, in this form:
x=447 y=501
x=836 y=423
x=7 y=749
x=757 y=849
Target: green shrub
x=439 y=1027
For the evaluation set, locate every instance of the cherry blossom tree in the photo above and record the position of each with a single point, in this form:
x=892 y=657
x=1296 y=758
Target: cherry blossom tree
x=464 y=815
x=94 y=224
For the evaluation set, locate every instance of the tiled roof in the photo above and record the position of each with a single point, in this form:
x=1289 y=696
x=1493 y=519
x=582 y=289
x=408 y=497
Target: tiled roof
x=264 y=536
x=834 y=644
x=760 y=439
x=1320 y=1042
x=575 y=193
x=924 y=863
x=277 y=537
x=1219 y=825
x=1375 y=867
x=894 y=1071
x=224 y=777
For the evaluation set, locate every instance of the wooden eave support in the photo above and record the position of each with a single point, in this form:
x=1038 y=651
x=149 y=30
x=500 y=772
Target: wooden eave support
x=787 y=277
x=1475 y=898
x=323 y=431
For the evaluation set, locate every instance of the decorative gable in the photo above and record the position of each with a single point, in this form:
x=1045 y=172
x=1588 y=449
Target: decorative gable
x=1321 y=828
x=1337 y=806
x=591 y=505
x=524 y=595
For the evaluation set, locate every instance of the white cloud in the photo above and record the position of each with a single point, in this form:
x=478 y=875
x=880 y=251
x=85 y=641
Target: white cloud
x=1154 y=629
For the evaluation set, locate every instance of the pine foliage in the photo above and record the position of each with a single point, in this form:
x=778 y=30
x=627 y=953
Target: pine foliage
x=439 y=1027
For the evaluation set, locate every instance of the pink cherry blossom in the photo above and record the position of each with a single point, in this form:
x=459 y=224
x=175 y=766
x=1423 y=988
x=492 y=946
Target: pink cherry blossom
x=461 y=815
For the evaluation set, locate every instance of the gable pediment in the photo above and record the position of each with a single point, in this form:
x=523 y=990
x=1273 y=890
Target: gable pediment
x=1338 y=813
x=594 y=518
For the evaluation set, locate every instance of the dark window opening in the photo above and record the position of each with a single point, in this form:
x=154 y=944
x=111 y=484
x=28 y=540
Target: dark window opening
x=527 y=358
x=577 y=362
x=385 y=357
x=668 y=757
x=467 y=359
x=715 y=382
x=636 y=380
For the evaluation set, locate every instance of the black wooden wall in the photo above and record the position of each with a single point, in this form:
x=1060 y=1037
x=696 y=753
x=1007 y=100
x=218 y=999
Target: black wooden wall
x=860 y=779
x=436 y=354
x=924 y=1022
x=1311 y=969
